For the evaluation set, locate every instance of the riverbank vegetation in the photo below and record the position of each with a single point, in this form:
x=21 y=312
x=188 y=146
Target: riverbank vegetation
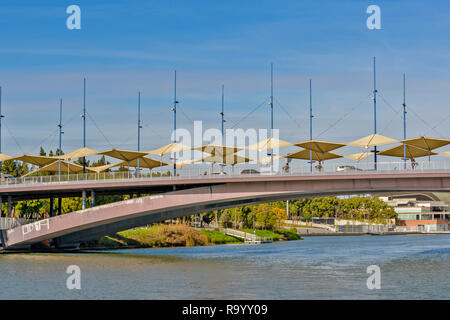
x=270 y=216
x=179 y=235
x=163 y=235
x=276 y=235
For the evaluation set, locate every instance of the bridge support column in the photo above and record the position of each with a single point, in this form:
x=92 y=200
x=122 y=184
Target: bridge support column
x=9 y=206
x=83 y=196
x=287 y=210
x=92 y=198
x=59 y=206
x=52 y=213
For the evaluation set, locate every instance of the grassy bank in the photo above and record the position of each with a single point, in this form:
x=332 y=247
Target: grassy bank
x=276 y=235
x=217 y=237
x=162 y=235
x=178 y=235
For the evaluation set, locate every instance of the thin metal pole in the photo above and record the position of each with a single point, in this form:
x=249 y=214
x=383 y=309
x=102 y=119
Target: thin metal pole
x=271 y=115
x=1 y=116
x=139 y=131
x=404 y=120
x=84 y=124
x=310 y=123
x=222 y=122
x=60 y=135
x=175 y=121
x=374 y=111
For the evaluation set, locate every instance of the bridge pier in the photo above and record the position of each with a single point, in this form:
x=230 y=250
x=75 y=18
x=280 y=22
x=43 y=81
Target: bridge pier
x=59 y=206
x=52 y=213
x=83 y=196
x=92 y=198
x=9 y=206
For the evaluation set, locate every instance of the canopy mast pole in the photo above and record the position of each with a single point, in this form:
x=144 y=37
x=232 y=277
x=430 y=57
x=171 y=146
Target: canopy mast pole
x=222 y=122
x=222 y=114
x=175 y=122
x=60 y=135
x=1 y=116
x=271 y=115
x=310 y=123
x=404 y=120
x=84 y=124
x=374 y=111
x=84 y=142
x=139 y=132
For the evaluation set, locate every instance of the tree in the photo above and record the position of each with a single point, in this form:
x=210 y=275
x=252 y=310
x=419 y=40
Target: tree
x=268 y=216
x=82 y=160
x=14 y=168
x=71 y=204
x=226 y=220
x=100 y=162
x=122 y=168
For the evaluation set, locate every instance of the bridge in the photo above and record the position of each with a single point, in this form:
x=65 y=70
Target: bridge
x=176 y=196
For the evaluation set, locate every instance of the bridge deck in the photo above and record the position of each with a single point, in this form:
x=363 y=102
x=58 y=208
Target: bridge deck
x=128 y=184
x=217 y=193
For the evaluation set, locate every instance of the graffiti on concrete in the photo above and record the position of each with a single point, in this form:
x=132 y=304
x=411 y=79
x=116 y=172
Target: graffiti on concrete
x=37 y=226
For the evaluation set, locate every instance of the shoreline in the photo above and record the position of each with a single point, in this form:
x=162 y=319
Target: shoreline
x=106 y=248
x=388 y=233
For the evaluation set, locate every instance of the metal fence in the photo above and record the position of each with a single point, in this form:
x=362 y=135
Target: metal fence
x=365 y=228
x=204 y=171
x=8 y=223
x=248 y=237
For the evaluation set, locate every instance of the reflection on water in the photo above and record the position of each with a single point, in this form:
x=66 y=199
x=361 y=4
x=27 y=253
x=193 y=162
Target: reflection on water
x=412 y=267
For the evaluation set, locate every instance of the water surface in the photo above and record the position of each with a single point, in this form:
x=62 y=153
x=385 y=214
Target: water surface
x=327 y=267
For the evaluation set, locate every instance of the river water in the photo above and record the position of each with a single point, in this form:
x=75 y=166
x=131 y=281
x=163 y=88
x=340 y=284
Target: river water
x=327 y=267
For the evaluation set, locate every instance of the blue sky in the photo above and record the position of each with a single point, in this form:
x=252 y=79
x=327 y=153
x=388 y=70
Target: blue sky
x=128 y=46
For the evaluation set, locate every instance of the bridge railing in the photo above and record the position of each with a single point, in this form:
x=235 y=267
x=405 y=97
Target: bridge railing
x=246 y=236
x=207 y=171
x=8 y=223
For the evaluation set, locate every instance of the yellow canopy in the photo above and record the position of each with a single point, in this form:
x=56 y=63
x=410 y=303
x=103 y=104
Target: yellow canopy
x=170 y=148
x=411 y=152
x=446 y=153
x=319 y=146
x=146 y=162
x=186 y=162
x=35 y=160
x=4 y=157
x=427 y=143
x=217 y=149
x=104 y=167
x=268 y=160
x=316 y=156
x=226 y=159
x=125 y=155
x=269 y=144
x=358 y=156
x=372 y=140
x=79 y=153
x=66 y=167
